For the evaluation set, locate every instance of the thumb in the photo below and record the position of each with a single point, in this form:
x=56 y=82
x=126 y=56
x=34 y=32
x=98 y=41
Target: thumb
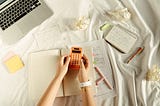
x=67 y=61
x=82 y=65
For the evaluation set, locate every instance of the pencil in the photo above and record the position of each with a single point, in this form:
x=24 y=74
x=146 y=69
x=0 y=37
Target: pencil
x=139 y=50
x=105 y=79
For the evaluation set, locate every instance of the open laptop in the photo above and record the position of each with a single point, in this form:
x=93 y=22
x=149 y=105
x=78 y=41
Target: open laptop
x=17 y=17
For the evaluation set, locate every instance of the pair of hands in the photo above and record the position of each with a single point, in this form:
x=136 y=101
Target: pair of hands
x=83 y=72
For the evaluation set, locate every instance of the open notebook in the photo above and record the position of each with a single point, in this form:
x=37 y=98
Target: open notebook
x=42 y=68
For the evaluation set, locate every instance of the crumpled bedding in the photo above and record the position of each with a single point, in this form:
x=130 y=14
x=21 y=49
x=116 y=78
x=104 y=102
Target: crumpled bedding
x=132 y=89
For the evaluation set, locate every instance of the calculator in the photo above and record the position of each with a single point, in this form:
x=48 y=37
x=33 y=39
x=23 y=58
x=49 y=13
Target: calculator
x=76 y=56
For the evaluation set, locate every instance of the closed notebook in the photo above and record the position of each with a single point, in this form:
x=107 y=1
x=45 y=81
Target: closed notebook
x=42 y=67
x=121 y=38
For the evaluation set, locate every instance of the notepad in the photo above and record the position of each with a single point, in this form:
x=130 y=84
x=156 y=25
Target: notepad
x=121 y=38
x=13 y=62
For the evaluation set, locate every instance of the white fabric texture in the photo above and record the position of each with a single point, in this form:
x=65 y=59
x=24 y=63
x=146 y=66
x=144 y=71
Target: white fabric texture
x=132 y=89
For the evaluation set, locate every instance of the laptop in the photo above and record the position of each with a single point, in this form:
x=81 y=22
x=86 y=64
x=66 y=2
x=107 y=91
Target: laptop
x=17 y=17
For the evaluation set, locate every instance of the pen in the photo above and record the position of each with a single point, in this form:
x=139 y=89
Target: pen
x=102 y=78
x=139 y=50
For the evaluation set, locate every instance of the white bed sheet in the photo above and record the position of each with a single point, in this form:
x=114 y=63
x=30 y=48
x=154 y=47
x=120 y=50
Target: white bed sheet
x=131 y=86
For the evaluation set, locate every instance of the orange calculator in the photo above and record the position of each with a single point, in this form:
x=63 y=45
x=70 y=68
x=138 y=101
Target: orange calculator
x=76 y=56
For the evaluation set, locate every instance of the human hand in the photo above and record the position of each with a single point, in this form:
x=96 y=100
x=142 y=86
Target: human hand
x=63 y=66
x=83 y=72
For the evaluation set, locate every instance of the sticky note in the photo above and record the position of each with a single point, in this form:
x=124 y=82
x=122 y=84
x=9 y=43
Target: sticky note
x=14 y=64
x=105 y=27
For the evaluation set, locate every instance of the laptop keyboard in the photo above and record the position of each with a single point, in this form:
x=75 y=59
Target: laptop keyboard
x=16 y=12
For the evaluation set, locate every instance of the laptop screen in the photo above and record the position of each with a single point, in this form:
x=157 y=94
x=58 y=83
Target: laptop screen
x=2 y=1
x=5 y=3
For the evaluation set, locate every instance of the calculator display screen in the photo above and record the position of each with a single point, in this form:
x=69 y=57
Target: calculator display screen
x=76 y=51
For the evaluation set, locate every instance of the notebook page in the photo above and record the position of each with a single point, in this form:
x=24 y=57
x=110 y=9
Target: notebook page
x=42 y=68
x=101 y=61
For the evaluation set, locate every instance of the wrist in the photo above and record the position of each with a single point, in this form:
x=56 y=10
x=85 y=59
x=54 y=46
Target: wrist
x=85 y=84
x=59 y=76
x=83 y=80
x=60 y=73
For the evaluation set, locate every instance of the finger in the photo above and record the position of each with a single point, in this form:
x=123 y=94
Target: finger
x=62 y=60
x=84 y=57
x=82 y=65
x=65 y=55
x=68 y=60
x=86 y=61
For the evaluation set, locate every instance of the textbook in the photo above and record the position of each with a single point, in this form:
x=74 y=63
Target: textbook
x=42 y=67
